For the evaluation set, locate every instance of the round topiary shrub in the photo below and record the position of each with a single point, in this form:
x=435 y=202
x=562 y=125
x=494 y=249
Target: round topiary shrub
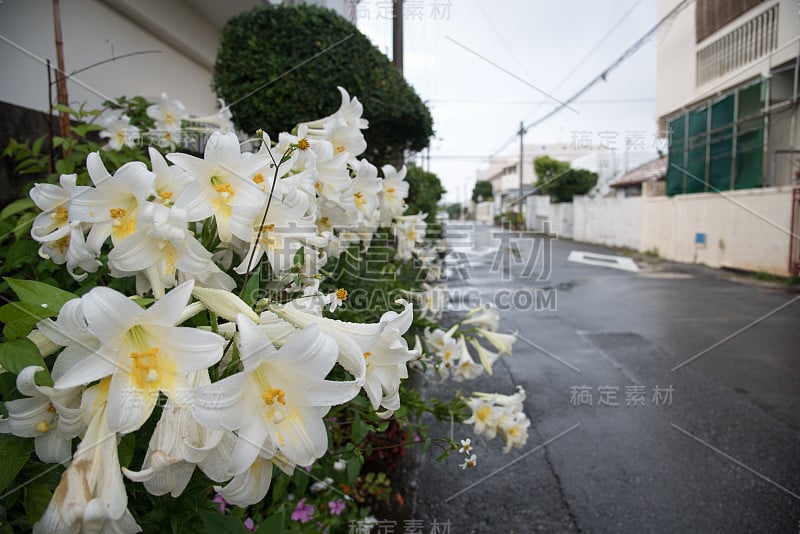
x=302 y=53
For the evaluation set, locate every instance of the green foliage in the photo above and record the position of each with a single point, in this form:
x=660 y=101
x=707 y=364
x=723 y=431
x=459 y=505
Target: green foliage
x=454 y=210
x=482 y=191
x=424 y=192
x=305 y=52
x=558 y=180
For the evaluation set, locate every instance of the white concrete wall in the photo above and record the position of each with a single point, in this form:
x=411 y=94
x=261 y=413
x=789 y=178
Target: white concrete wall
x=746 y=229
x=484 y=212
x=614 y=222
x=90 y=29
x=541 y=215
x=561 y=219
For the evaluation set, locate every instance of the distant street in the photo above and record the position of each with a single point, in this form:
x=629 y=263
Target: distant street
x=654 y=414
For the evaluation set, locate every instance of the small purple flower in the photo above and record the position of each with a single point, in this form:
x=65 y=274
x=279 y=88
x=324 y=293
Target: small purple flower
x=337 y=506
x=223 y=504
x=250 y=525
x=303 y=512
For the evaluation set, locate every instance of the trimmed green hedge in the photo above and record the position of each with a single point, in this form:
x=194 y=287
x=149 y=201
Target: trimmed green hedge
x=277 y=43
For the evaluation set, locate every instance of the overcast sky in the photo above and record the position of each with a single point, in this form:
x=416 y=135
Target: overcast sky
x=477 y=106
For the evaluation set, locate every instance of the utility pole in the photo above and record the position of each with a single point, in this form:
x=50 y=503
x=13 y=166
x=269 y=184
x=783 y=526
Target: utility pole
x=397 y=35
x=521 y=134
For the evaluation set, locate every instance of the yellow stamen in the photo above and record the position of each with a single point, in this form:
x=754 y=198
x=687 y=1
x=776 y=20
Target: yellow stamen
x=61 y=215
x=117 y=213
x=165 y=195
x=303 y=144
x=274 y=394
x=359 y=199
x=367 y=354
x=339 y=149
x=318 y=186
x=341 y=293
x=258 y=178
x=224 y=188
x=42 y=426
x=150 y=370
x=390 y=190
x=63 y=244
x=483 y=413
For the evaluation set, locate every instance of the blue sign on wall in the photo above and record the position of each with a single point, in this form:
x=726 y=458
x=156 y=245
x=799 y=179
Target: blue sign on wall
x=699 y=238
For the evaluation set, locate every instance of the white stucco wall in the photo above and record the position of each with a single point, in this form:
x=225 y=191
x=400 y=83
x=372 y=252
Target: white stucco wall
x=614 y=222
x=484 y=212
x=541 y=215
x=90 y=29
x=744 y=229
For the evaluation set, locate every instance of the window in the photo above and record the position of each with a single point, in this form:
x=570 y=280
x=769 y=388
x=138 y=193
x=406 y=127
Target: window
x=719 y=146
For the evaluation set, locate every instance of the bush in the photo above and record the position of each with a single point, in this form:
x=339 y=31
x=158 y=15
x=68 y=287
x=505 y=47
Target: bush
x=276 y=43
x=424 y=192
x=556 y=179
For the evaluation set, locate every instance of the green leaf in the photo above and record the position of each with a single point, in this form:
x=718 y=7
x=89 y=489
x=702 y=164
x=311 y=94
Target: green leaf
x=280 y=483
x=271 y=524
x=251 y=292
x=353 y=469
x=15 y=453
x=220 y=524
x=360 y=429
x=21 y=317
x=37 y=145
x=126 y=448
x=37 y=497
x=18 y=354
x=299 y=257
x=16 y=207
x=40 y=293
x=23 y=224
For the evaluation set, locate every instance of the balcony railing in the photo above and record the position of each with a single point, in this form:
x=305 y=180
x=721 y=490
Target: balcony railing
x=752 y=40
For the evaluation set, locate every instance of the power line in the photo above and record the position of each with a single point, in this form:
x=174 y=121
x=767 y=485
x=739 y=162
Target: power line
x=592 y=50
x=526 y=102
x=625 y=55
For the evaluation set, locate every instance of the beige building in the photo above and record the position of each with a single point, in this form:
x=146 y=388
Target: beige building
x=727 y=91
x=159 y=45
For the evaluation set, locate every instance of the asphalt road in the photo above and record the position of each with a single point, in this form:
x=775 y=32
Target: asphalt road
x=721 y=456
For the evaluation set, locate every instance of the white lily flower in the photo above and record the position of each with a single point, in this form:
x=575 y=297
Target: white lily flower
x=395 y=191
x=485 y=316
x=91 y=496
x=486 y=357
x=278 y=401
x=363 y=190
x=170 y=180
x=223 y=182
x=113 y=205
x=161 y=247
x=485 y=416
x=436 y=339
x=143 y=352
x=374 y=353
x=224 y=303
x=465 y=367
x=176 y=439
x=502 y=342
x=61 y=236
x=287 y=226
x=168 y=114
x=49 y=416
x=250 y=486
x=119 y=132
x=514 y=430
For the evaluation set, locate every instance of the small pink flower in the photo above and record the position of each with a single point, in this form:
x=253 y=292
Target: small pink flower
x=303 y=512
x=223 y=504
x=337 y=506
x=250 y=525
